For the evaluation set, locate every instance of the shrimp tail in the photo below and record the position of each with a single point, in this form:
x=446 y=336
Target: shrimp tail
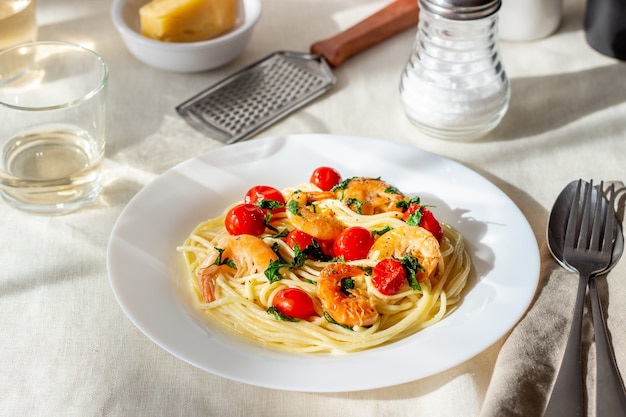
x=206 y=276
x=207 y=285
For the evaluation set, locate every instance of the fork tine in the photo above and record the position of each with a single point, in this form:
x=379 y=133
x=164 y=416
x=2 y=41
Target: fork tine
x=599 y=217
x=609 y=226
x=571 y=232
x=586 y=219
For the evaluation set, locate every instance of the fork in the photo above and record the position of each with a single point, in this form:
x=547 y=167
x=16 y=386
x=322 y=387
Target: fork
x=610 y=395
x=588 y=248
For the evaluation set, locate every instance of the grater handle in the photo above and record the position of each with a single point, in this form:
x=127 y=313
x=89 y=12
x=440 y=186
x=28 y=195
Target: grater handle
x=392 y=19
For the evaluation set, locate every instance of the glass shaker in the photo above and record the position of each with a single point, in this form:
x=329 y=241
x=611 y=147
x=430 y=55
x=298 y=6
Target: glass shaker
x=454 y=85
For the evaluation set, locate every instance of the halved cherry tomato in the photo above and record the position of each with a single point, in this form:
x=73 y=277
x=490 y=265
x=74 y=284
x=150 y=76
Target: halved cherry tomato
x=325 y=178
x=353 y=243
x=293 y=302
x=245 y=219
x=267 y=194
x=388 y=276
x=426 y=220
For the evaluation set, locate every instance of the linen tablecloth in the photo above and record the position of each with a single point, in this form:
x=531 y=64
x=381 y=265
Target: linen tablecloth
x=69 y=350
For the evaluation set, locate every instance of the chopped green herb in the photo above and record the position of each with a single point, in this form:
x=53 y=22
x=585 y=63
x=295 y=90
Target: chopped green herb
x=404 y=204
x=381 y=231
x=412 y=267
x=293 y=207
x=298 y=258
x=270 y=204
x=356 y=203
x=268 y=219
x=316 y=252
x=346 y=285
x=366 y=269
x=272 y=272
x=280 y=316
x=392 y=190
x=333 y=321
x=226 y=261
x=415 y=200
x=341 y=259
x=415 y=218
x=281 y=233
x=342 y=185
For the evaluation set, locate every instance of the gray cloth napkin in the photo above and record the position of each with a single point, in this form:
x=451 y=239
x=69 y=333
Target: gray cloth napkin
x=531 y=356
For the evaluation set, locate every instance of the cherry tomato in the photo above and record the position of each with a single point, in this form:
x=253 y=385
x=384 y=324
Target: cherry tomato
x=426 y=220
x=388 y=276
x=325 y=178
x=300 y=238
x=259 y=193
x=245 y=219
x=293 y=302
x=353 y=243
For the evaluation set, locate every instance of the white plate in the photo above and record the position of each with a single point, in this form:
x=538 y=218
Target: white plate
x=147 y=272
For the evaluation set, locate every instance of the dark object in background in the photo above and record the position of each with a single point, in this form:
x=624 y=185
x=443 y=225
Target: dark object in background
x=605 y=27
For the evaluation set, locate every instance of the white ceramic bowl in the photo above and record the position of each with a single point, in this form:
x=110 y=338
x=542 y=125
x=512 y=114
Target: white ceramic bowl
x=184 y=56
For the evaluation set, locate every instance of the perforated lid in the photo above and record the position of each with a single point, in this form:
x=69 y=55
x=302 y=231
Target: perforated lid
x=461 y=9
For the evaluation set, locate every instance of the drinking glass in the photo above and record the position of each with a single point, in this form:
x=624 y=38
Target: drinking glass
x=18 y=23
x=52 y=126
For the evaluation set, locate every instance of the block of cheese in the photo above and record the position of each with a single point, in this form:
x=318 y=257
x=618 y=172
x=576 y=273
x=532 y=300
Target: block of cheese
x=187 y=20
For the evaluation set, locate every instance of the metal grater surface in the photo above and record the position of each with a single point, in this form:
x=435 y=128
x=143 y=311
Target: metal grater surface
x=258 y=95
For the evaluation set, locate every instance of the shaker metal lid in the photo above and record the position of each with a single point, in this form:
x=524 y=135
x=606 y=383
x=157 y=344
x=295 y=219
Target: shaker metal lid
x=461 y=9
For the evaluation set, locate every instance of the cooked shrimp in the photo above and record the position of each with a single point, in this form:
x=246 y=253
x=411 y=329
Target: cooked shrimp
x=370 y=196
x=248 y=254
x=348 y=306
x=321 y=225
x=413 y=240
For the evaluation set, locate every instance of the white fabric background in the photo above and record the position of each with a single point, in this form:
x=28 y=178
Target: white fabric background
x=67 y=349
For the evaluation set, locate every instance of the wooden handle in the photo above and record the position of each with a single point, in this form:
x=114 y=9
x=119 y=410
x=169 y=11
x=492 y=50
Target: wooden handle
x=393 y=19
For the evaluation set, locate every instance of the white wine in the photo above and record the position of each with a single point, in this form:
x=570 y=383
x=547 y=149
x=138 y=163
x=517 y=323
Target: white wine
x=52 y=126
x=17 y=22
x=52 y=169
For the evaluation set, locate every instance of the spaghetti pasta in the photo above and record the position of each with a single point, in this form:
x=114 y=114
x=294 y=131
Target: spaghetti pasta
x=243 y=295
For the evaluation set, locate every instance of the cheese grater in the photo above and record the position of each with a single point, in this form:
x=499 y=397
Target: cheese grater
x=255 y=97
x=263 y=92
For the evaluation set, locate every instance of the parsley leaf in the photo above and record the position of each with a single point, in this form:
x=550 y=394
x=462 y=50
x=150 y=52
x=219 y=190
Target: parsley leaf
x=281 y=233
x=293 y=207
x=392 y=190
x=315 y=251
x=415 y=218
x=271 y=273
x=346 y=285
x=342 y=185
x=280 y=316
x=269 y=204
x=357 y=204
x=404 y=204
x=333 y=321
x=299 y=257
x=412 y=267
x=226 y=261
x=381 y=231
x=268 y=218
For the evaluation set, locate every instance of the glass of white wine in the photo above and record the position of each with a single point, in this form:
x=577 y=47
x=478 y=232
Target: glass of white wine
x=52 y=126
x=18 y=23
